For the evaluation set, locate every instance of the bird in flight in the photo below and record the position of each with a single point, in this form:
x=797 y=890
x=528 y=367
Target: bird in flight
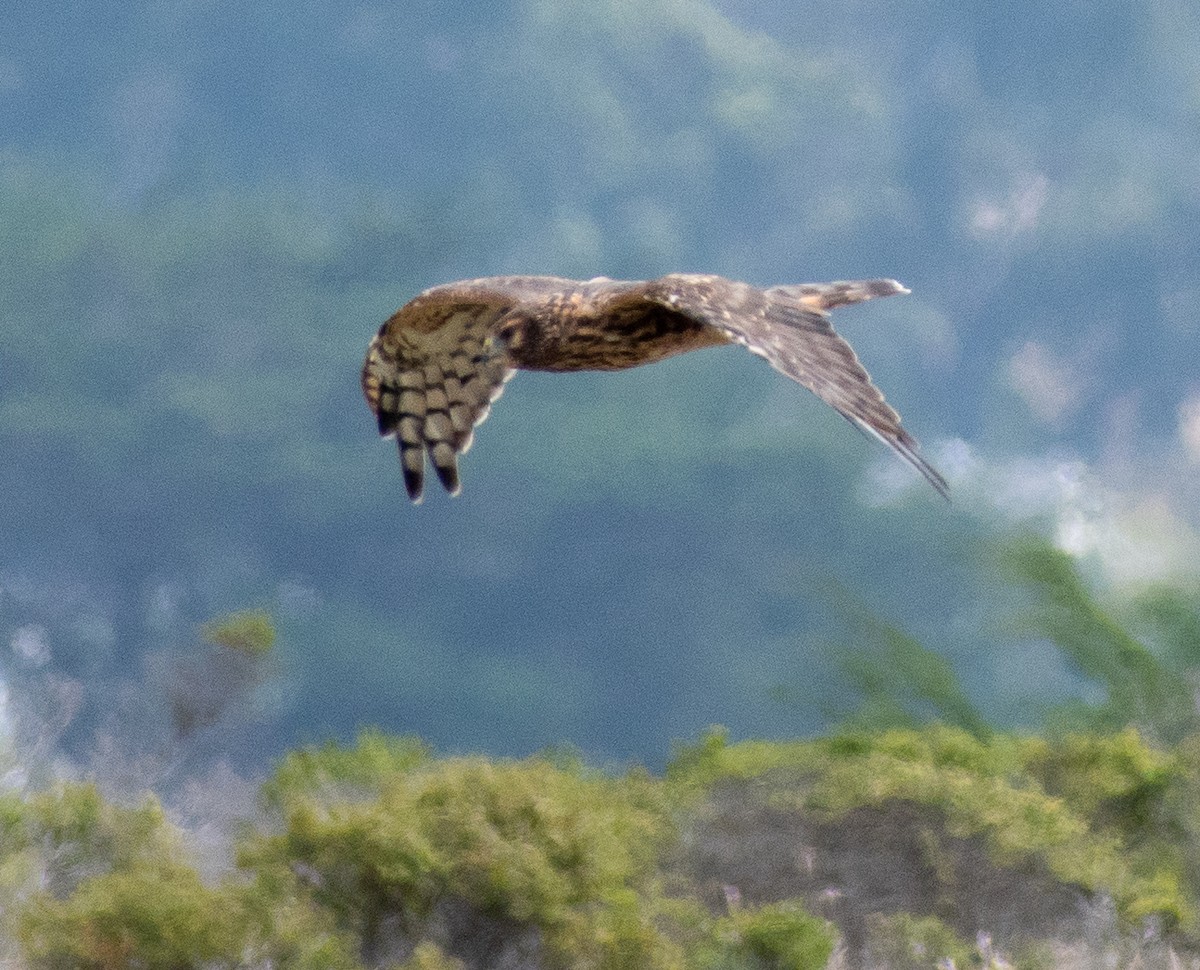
x=437 y=364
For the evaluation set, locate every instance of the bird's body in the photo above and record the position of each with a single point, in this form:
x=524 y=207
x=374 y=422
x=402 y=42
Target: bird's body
x=436 y=364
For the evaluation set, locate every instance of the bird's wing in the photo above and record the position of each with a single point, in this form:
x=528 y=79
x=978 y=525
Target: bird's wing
x=432 y=372
x=789 y=326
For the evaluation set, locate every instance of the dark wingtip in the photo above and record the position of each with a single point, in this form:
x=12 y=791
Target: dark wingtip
x=414 y=483
x=448 y=476
x=445 y=464
x=412 y=465
x=934 y=477
x=904 y=445
x=907 y=449
x=387 y=422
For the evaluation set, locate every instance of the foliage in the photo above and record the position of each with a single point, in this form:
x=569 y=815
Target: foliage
x=151 y=914
x=91 y=884
x=1085 y=823
x=72 y=833
x=760 y=855
x=205 y=684
x=310 y=773
x=900 y=682
x=429 y=956
x=784 y=936
x=380 y=853
x=283 y=928
x=162 y=915
x=907 y=942
x=53 y=842
x=390 y=836
x=248 y=631
x=1147 y=687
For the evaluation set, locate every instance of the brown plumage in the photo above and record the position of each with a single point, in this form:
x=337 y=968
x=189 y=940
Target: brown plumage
x=438 y=362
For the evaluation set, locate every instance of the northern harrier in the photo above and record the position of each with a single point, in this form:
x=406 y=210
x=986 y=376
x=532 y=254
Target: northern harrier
x=438 y=362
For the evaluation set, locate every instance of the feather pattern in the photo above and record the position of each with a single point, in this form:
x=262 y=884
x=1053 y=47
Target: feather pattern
x=437 y=364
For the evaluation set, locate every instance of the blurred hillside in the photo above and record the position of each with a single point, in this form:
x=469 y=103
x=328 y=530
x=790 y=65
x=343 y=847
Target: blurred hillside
x=913 y=835
x=208 y=208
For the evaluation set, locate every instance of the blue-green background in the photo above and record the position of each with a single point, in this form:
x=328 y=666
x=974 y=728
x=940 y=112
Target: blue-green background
x=207 y=207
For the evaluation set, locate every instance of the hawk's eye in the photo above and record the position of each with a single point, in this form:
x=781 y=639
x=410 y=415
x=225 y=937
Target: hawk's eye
x=508 y=333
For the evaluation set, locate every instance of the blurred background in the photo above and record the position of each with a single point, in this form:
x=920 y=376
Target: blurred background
x=207 y=208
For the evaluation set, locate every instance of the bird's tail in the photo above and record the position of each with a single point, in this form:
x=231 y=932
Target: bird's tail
x=826 y=296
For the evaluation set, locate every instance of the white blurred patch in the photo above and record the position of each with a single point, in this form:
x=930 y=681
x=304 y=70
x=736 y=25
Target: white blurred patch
x=297 y=600
x=1189 y=427
x=31 y=644
x=163 y=612
x=1135 y=536
x=1048 y=385
x=889 y=479
x=955 y=459
x=1015 y=214
x=1143 y=544
x=13 y=774
x=210 y=809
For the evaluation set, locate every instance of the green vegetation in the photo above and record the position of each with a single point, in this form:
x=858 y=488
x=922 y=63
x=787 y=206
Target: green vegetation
x=1149 y=680
x=382 y=853
x=897 y=680
x=1075 y=810
x=215 y=677
x=908 y=942
x=527 y=843
x=249 y=631
x=784 y=936
x=889 y=841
